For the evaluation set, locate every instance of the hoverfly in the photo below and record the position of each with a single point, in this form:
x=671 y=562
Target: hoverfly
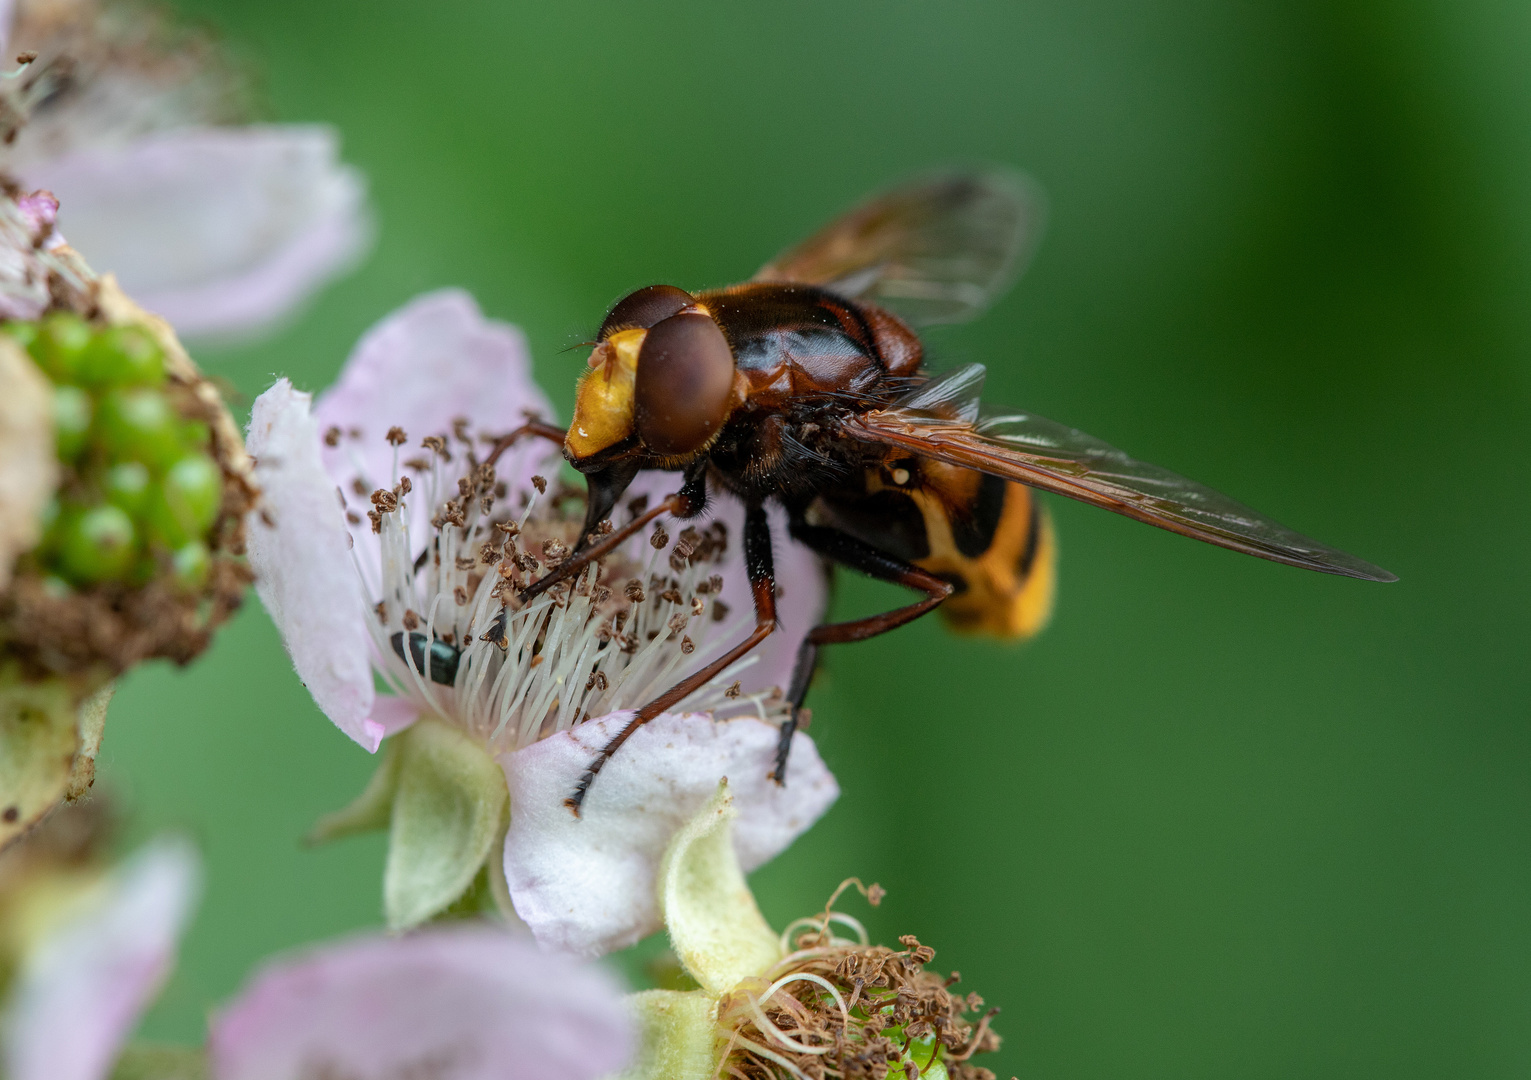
x=806 y=386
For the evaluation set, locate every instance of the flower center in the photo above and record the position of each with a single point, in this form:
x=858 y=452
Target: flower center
x=452 y=633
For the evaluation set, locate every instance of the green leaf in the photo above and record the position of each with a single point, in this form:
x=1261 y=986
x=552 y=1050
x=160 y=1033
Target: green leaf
x=369 y=811
x=447 y=810
x=715 y=927
x=677 y=1036
x=37 y=745
x=148 y=1061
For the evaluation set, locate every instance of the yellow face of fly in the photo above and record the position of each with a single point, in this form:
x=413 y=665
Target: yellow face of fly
x=603 y=402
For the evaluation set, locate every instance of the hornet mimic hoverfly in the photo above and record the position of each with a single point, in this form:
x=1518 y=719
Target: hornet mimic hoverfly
x=806 y=385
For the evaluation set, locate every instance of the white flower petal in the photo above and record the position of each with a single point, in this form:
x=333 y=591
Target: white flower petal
x=82 y=989
x=431 y=362
x=465 y=1003
x=587 y=885
x=303 y=568
x=220 y=230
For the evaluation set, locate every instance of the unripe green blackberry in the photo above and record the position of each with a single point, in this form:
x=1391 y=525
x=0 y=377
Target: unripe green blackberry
x=98 y=543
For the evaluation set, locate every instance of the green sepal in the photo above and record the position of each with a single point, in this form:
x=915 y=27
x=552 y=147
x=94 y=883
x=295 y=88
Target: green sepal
x=370 y=811
x=448 y=804
x=715 y=927
x=677 y=1036
x=153 y=1061
x=38 y=737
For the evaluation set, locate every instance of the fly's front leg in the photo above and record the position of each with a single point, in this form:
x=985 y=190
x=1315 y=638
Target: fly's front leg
x=688 y=502
x=760 y=566
x=855 y=554
x=534 y=428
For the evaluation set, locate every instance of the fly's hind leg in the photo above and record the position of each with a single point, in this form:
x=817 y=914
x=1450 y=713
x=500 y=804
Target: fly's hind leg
x=847 y=551
x=759 y=563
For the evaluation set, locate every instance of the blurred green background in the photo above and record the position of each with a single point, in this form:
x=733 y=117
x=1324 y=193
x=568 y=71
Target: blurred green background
x=1225 y=819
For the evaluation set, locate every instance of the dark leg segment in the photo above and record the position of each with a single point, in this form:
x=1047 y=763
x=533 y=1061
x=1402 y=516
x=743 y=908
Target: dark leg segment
x=857 y=555
x=759 y=563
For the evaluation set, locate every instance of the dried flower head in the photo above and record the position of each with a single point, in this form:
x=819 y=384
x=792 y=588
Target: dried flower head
x=808 y=1004
x=846 y=1008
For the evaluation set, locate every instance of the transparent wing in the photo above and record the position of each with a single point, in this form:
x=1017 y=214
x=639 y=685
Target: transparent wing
x=941 y=420
x=937 y=250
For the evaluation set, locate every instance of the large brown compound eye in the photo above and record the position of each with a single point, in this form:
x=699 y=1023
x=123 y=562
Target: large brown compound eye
x=644 y=308
x=684 y=387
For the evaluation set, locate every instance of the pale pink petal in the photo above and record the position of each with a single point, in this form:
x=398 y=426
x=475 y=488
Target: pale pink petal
x=82 y=989
x=394 y=714
x=220 y=230
x=431 y=362
x=586 y=885
x=465 y=1003
x=300 y=552
x=799 y=575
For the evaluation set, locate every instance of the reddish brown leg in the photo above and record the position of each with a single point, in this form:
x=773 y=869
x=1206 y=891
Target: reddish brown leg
x=857 y=555
x=757 y=559
x=531 y=427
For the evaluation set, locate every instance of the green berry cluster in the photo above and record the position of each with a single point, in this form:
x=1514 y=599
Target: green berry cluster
x=144 y=491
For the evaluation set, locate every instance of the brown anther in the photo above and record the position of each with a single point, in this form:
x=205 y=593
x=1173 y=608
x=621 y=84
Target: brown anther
x=604 y=528
x=634 y=591
x=386 y=501
x=396 y=436
x=358 y=487
x=353 y=518
x=719 y=611
x=418 y=464
x=715 y=583
x=509 y=528
x=541 y=484
x=463 y=563
x=460 y=429
x=600 y=595
x=660 y=539
x=460 y=594
x=687 y=646
x=733 y=691
x=697 y=605
x=411 y=620
x=488 y=554
x=638 y=505
x=671 y=596
x=485 y=504
x=554 y=551
x=536 y=660
x=332 y=436
x=436 y=444
x=677 y=623
x=376 y=519
x=404 y=486
x=465 y=487
x=381 y=611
